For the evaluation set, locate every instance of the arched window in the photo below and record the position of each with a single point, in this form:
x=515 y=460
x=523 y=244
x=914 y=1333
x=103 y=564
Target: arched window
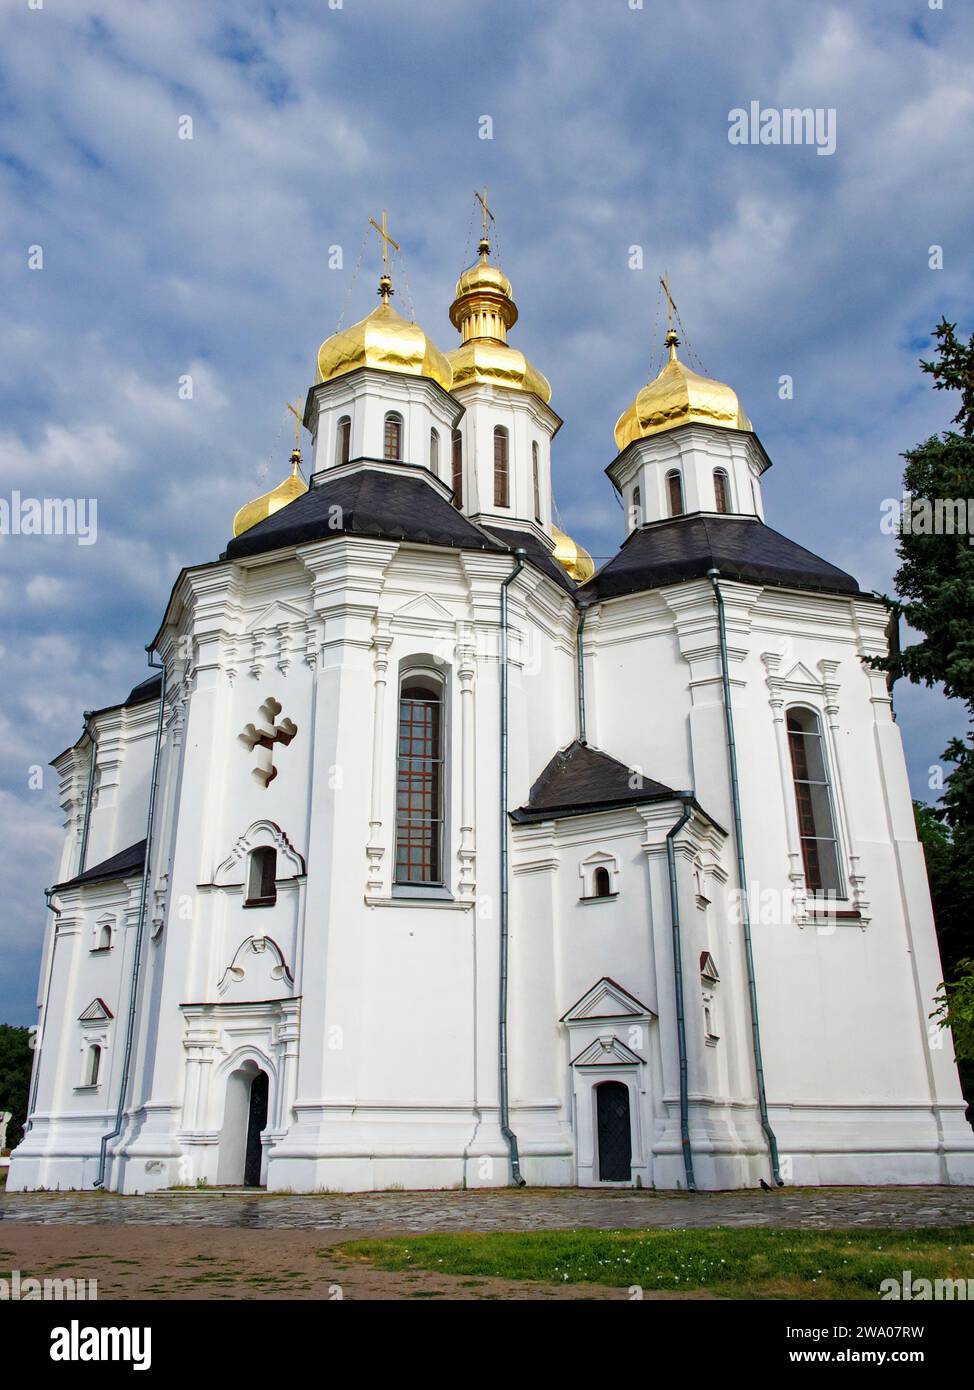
x=104 y=937
x=502 y=490
x=261 y=879
x=536 y=480
x=343 y=440
x=435 y=451
x=674 y=493
x=813 y=797
x=419 y=780
x=392 y=437
x=456 y=462
x=637 y=506
x=93 y=1065
x=721 y=490
x=601 y=884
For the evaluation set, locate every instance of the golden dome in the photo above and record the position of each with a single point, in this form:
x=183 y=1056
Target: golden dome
x=252 y=512
x=483 y=311
x=677 y=397
x=572 y=557
x=387 y=341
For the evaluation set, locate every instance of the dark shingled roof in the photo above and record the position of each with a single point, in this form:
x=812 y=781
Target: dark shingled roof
x=122 y=865
x=372 y=502
x=141 y=694
x=740 y=547
x=538 y=555
x=580 y=779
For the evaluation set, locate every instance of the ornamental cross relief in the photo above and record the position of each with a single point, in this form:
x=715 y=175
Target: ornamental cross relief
x=264 y=735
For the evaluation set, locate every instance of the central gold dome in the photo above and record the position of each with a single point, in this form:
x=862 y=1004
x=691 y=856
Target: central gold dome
x=386 y=341
x=483 y=311
x=679 y=396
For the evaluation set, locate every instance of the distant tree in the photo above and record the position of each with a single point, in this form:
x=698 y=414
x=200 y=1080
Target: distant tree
x=15 y=1063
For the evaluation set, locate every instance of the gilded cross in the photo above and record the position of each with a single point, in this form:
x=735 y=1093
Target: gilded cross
x=385 y=284
x=297 y=424
x=671 y=339
x=264 y=735
x=485 y=211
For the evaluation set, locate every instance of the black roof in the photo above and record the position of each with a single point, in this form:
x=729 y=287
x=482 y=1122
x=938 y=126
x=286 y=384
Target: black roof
x=149 y=689
x=122 y=865
x=686 y=547
x=537 y=554
x=368 y=502
x=580 y=779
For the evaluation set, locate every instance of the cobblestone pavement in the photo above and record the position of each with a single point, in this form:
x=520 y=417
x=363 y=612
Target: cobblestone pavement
x=507 y=1210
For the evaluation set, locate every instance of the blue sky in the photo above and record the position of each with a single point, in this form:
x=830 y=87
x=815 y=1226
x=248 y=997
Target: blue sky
x=209 y=256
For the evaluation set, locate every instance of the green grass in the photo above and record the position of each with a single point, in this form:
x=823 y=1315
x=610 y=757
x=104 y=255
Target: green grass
x=731 y=1262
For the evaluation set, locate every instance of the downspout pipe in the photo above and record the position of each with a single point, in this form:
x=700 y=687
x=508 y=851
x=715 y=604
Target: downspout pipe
x=39 y=1037
x=714 y=576
x=139 y=931
x=86 y=823
x=509 y=1135
x=681 y=1026
x=580 y=664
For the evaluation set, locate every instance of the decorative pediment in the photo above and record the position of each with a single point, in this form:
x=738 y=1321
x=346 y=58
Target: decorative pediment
x=275 y=615
x=708 y=968
x=423 y=609
x=96 y=1012
x=259 y=967
x=232 y=872
x=607 y=1051
x=606 y=999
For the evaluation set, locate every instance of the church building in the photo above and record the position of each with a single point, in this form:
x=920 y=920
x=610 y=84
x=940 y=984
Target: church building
x=428 y=855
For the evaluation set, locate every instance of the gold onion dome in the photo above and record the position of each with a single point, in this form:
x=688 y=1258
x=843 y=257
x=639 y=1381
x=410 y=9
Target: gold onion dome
x=386 y=341
x=483 y=311
x=572 y=557
x=270 y=502
x=679 y=396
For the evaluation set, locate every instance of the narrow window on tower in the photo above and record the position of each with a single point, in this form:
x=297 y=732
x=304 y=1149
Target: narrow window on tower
x=813 y=797
x=457 y=466
x=262 y=879
x=674 y=493
x=637 y=506
x=392 y=438
x=721 y=490
x=435 y=452
x=93 y=1065
x=419 y=781
x=501 y=472
x=344 y=440
x=601 y=884
x=536 y=480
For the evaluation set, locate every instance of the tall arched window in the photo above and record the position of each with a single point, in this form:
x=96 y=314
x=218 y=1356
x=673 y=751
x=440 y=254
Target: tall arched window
x=93 y=1065
x=343 y=440
x=813 y=797
x=637 y=506
x=674 y=493
x=392 y=437
x=105 y=937
x=261 y=881
x=435 y=451
x=502 y=490
x=536 y=479
x=601 y=883
x=721 y=490
x=419 y=780
x=456 y=463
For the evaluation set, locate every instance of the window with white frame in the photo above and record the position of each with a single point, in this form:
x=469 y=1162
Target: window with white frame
x=420 y=779
x=813 y=802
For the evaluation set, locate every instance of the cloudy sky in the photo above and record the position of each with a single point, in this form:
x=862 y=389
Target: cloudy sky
x=210 y=257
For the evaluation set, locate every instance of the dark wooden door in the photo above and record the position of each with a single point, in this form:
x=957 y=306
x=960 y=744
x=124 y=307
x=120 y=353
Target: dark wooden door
x=255 y=1128
x=615 y=1132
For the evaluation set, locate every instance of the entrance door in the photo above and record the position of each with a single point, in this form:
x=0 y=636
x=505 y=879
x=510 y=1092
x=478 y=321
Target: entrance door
x=615 y=1132
x=256 y=1124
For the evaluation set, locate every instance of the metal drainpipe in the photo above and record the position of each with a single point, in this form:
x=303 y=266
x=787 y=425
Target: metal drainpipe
x=506 y=1130
x=137 y=952
x=714 y=576
x=86 y=823
x=580 y=662
x=36 y=1068
x=681 y=1027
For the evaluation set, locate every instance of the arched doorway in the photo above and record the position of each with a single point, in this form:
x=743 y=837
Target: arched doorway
x=256 y=1124
x=244 y=1120
x=614 y=1131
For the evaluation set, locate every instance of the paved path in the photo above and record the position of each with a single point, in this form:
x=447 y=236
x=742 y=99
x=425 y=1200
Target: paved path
x=392 y=1213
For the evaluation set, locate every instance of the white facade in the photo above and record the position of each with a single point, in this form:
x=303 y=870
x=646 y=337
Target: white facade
x=372 y=1009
